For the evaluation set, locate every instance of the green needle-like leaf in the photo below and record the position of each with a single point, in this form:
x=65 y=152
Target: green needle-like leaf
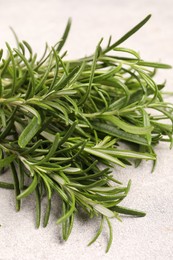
x=127 y=127
x=30 y=189
x=128 y=34
x=29 y=132
x=7 y=161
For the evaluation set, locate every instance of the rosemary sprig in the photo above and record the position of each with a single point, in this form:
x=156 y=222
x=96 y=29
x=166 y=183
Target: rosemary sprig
x=59 y=119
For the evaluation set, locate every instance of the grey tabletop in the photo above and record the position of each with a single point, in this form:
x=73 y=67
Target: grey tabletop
x=150 y=237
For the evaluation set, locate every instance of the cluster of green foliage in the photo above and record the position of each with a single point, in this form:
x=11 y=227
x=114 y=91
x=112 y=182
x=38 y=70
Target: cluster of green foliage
x=60 y=119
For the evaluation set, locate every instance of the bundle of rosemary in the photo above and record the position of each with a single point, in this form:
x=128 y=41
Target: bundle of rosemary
x=60 y=119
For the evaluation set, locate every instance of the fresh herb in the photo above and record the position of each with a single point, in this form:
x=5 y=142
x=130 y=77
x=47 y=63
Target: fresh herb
x=60 y=119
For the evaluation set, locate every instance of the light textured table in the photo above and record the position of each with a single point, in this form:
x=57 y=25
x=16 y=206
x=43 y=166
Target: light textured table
x=150 y=237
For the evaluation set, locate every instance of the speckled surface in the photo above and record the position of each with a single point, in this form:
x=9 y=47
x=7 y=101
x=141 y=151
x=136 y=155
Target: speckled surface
x=135 y=238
